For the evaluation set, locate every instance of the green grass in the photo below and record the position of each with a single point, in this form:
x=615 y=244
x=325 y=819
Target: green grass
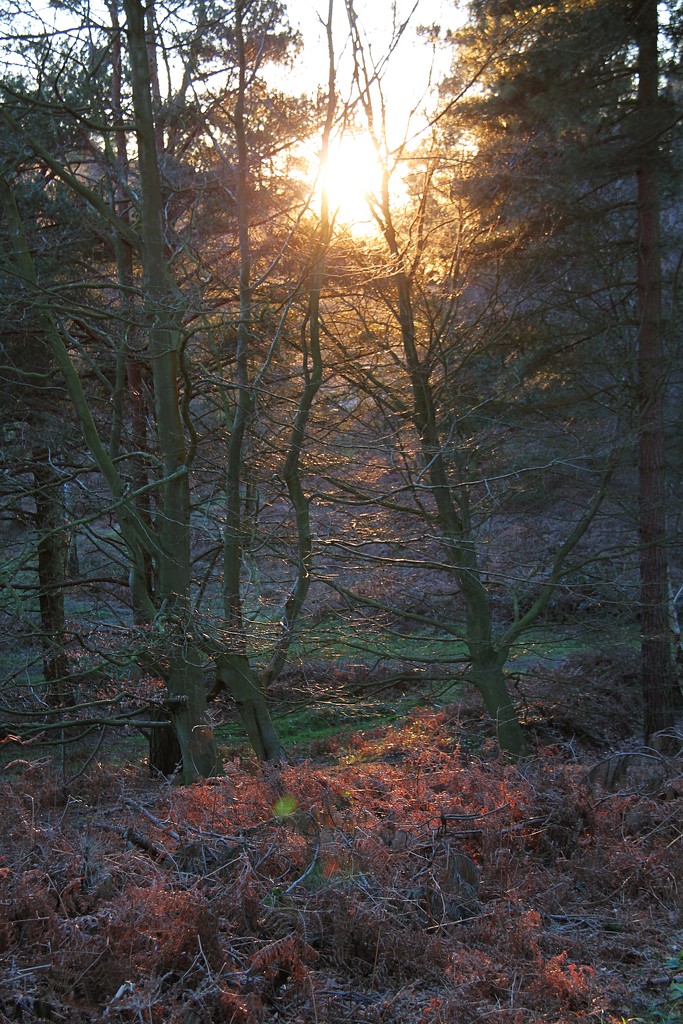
x=320 y=720
x=349 y=661
x=670 y=1009
x=341 y=644
x=339 y=641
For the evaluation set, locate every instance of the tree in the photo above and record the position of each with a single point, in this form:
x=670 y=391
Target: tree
x=658 y=666
x=234 y=671
x=36 y=447
x=572 y=105
x=434 y=313
x=153 y=208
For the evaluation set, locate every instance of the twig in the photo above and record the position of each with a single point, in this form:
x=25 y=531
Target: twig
x=150 y=817
x=142 y=842
x=88 y=761
x=470 y=817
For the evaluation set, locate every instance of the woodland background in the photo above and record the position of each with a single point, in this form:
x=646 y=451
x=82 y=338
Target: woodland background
x=341 y=568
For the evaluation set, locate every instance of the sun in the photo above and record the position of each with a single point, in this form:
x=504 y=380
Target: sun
x=353 y=173
x=352 y=177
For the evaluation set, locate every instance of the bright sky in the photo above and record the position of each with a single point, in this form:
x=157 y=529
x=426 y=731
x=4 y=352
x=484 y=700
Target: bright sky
x=408 y=72
x=413 y=66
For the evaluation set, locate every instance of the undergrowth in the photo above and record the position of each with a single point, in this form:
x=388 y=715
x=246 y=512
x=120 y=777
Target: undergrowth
x=410 y=881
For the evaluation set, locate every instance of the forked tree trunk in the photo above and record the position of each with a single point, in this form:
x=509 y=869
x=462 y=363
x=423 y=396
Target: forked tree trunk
x=235 y=674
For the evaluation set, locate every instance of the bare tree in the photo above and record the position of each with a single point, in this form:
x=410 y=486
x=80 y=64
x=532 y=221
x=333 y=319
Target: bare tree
x=169 y=314
x=427 y=272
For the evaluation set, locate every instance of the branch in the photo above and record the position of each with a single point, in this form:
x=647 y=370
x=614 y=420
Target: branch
x=558 y=568
x=91 y=197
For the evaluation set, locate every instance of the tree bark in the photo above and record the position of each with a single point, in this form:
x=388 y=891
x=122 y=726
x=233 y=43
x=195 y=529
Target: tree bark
x=235 y=674
x=51 y=549
x=187 y=697
x=658 y=671
x=488 y=675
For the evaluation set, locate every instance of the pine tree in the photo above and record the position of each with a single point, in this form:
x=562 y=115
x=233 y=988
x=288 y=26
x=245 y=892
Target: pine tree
x=573 y=142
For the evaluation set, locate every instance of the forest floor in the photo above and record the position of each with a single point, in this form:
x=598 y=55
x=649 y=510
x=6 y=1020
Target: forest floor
x=403 y=874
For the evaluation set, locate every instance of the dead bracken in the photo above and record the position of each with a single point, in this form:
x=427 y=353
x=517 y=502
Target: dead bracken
x=443 y=887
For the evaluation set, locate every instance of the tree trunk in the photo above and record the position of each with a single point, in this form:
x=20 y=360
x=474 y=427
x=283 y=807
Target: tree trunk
x=164 y=750
x=488 y=675
x=457 y=538
x=233 y=670
x=165 y=755
x=51 y=549
x=187 y=704
x=187 y=697
x=235 y=674
x=658 y=671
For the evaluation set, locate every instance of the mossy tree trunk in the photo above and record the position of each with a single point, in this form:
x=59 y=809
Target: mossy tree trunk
x=235 y=674
x=487 y=658
x=187 y=696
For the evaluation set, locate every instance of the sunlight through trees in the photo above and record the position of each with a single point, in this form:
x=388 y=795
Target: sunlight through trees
x=354 y=368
